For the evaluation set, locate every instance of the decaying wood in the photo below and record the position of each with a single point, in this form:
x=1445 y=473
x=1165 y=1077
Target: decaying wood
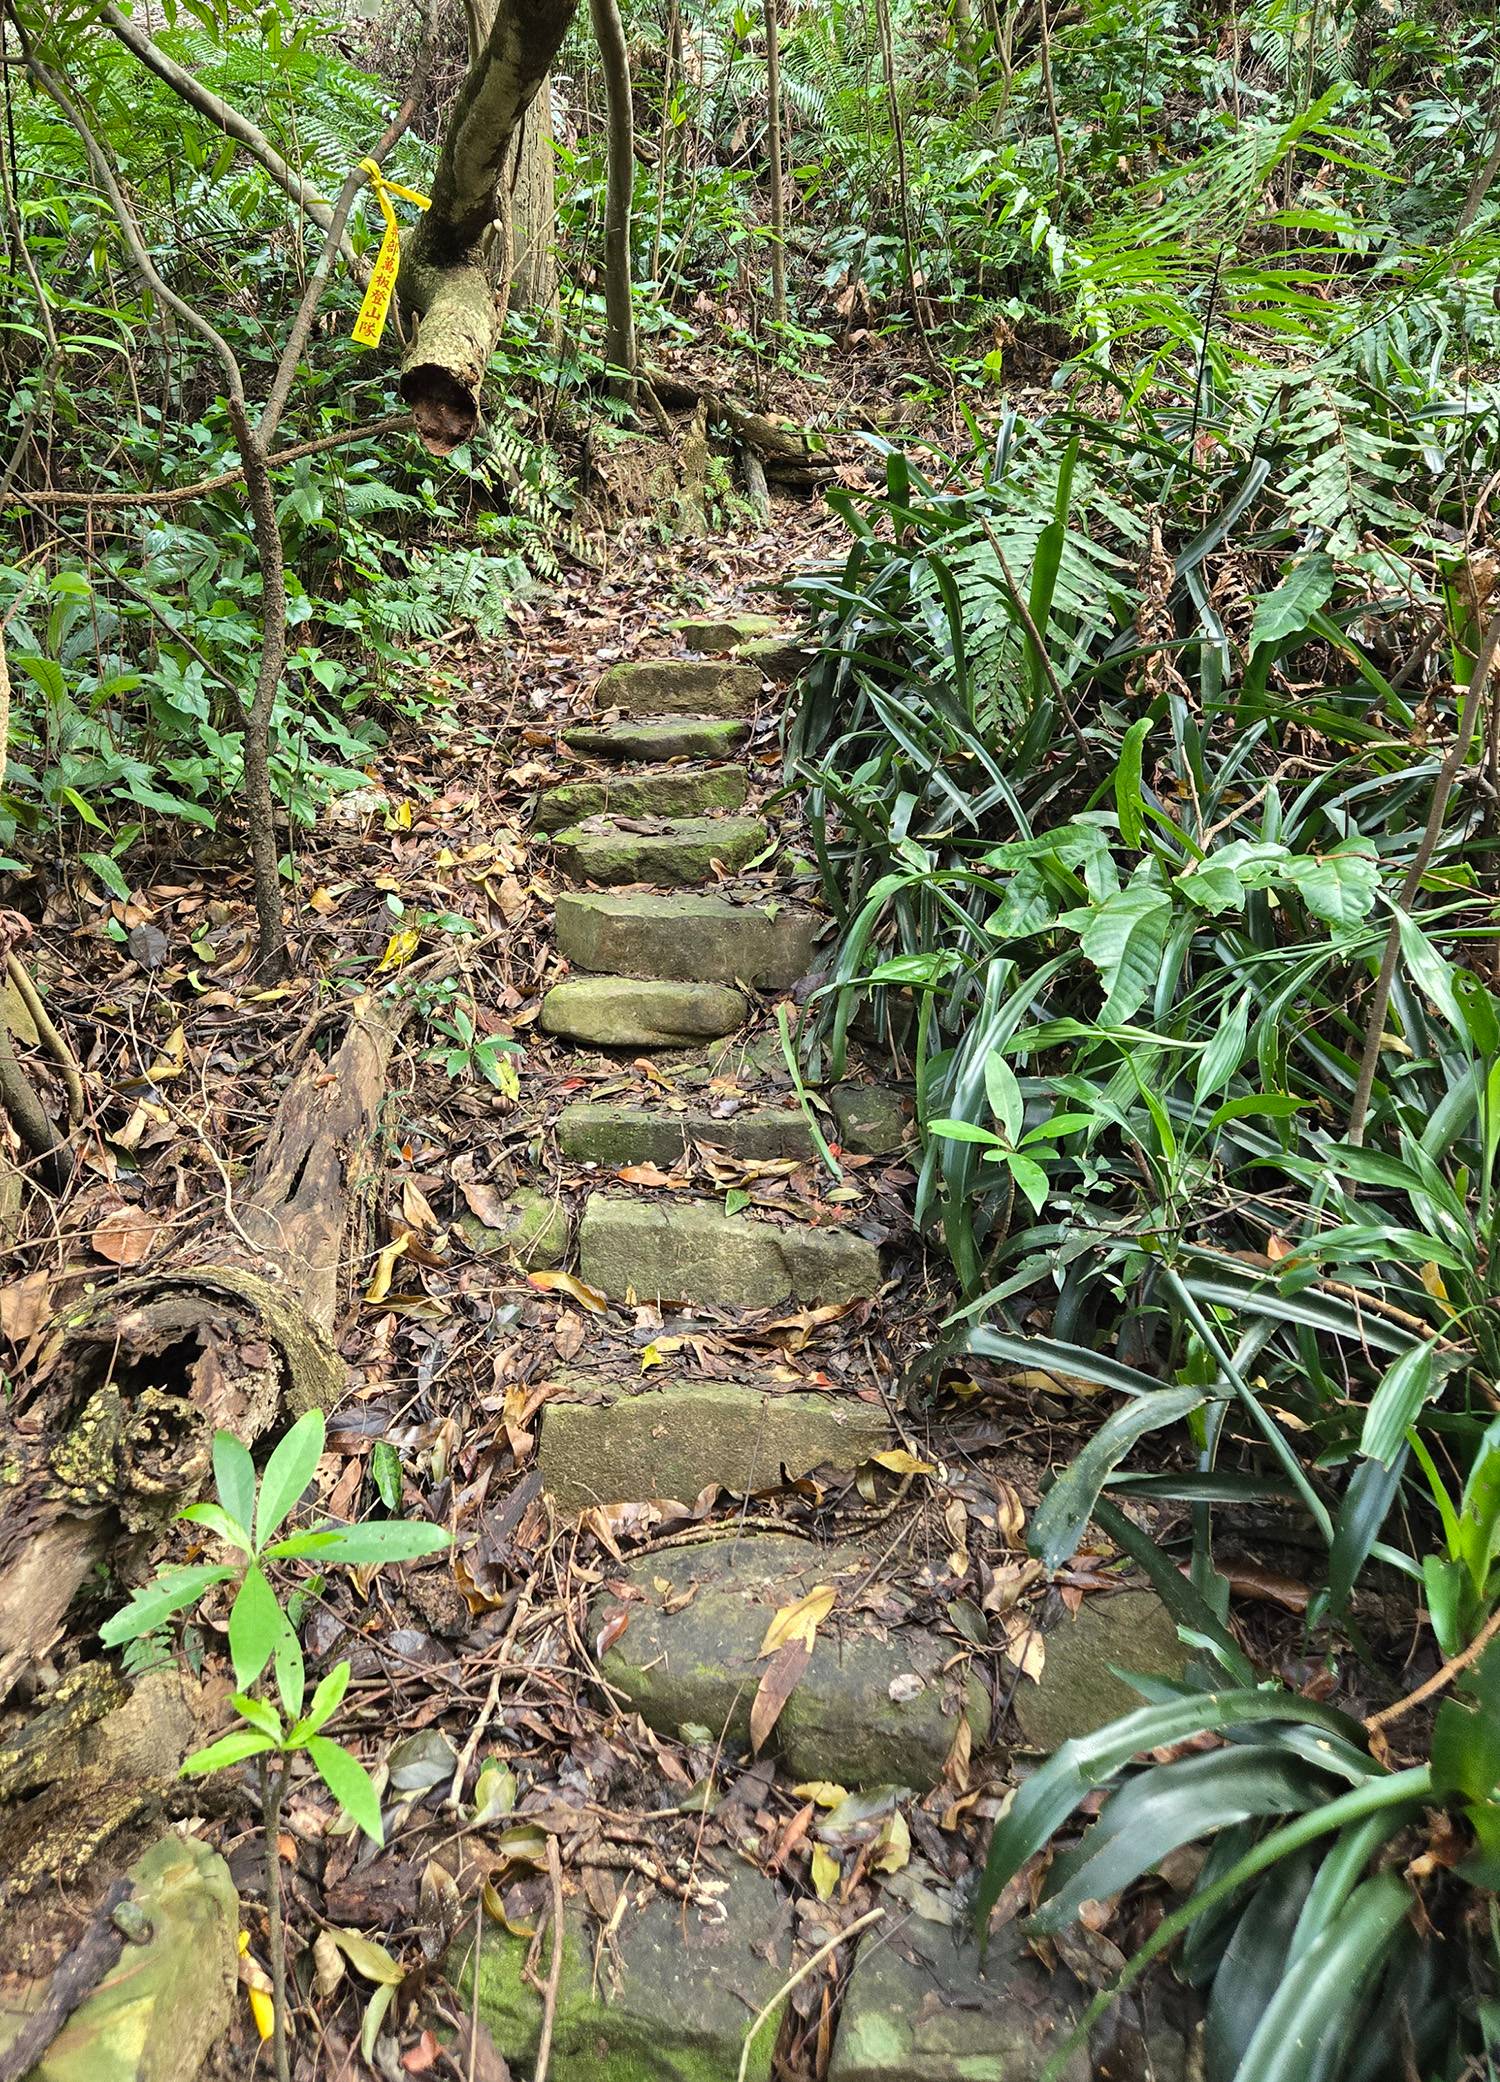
x=114 y=1433
x=785 y=453
x=79 y=1974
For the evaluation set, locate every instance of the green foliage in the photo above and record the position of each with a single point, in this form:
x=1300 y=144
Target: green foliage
x=247 y=1518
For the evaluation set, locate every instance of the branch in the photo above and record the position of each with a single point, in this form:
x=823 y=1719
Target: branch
x=233 y=124
x=180 y=495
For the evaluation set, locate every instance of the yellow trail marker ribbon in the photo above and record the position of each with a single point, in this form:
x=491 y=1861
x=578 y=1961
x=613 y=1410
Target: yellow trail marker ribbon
x=370 y=323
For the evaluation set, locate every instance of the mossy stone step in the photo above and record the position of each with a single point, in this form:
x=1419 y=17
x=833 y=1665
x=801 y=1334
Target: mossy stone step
x=678 y=792
x=683 y=1984
x=637 y=1012
x=688 y=850
x=535 y=1228
x=876 y=1705
x=679 y=687
x=692 y=1253
x=1078 y=1690
x=723 y=632
x=649 y=1440
x=706 y=938
x=657 y=738
x=593 y=1132
x=780 y=659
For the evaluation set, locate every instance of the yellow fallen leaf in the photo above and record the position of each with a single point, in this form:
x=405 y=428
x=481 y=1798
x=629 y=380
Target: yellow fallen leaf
x=897 y=1461
x=800 y=1621
x=825 y=1871
x=893 y=1845
x=399 y=948
x=172 y=1060
x=822 y=1792
x=385 y=1265
x=263 y=2010
x=566 y=1283
x=400 y=818
x=651 y=1357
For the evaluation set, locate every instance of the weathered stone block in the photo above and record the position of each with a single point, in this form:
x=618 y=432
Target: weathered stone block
x=875 y=1706
x=592 y=1132
x=703 y=938
x=537 y=1230
x=676 y=2007
x=636 y=1012
x=778 y=658
x=694 y=1253
x=670 y=1439
x=1078 y=1691
x=675 y=793
x=872 y=1121
x=685 y=737
x=686 y=852
x=165 y=2003
x=723 y=632
x=679 y=687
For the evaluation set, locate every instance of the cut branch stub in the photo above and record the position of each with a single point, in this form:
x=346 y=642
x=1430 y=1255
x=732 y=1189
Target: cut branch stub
x=444 y=277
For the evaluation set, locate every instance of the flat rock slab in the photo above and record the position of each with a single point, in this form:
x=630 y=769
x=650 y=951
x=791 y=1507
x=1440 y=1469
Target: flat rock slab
x=686 y=851
x=1078 y=1691
x=673 y=2003
x=535 y=1228
x=679 y=687
x=674 y=737
x=723 y=632
x=637 y=1012
x=592 y=1132
x=693 y=1253
x=165 y=2003
x=920 y=2008
x=675 y=793
x=876 y=1704
x=649 y=1441
x=778 y=658
x=691 y=938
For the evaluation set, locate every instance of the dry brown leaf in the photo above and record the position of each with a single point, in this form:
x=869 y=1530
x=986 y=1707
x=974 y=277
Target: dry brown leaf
x=385 y=1266
x=1025 y=1648
x=567 y=1283
x=416 y=1212
x=25 y=1306
x=783 y=1674
x=125 y=1235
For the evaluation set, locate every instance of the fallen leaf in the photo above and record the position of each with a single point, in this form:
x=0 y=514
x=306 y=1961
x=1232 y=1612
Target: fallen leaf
x=25 y=1306
x=373 y=1961
x=897 y=1461
x=1024 y=1647
x=893 y=1845
x=328 y=1963
x=644 y=1175
x=421 y=2056
x=799 y=1621
x=649 y=1358
x=385 y=1265
x=172 y=1060
x=399 y=948
x=782 y=1676
x=416 y=1212
x=125 y=1236
x=825 y=1871
x=822 y=1791
x=566 y=1283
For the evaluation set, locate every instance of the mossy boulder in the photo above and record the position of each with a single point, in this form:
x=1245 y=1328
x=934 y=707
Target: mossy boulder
x=778 y=658
x=679 y=687
x=685 y=851
x=871 y=1121
x=537 y=1230
x=1078 y=1690
x=677 y=1990
x=637 y=1012
x=723 y=632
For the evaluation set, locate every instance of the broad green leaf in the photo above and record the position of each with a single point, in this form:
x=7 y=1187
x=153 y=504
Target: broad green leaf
x=1128 y=806
x=385 y=1473
x=1431 y=974
x=1051 y=1355
x=1004 y=1095
x=1224 y=1053
x=232 y=1748
x=1124 y=939
x=325 y=1702
x=373 y=1961
x=360 y=1546
x=291 y=1672
x=256 y=1625
x=168 y=1592
x=288 y=1472
x=1059 y=1522
x=259 y=1713
x=963 y=1131
x=218 y=1521
x=1367 y=1502
x=1404 y=1388
x=234 y=1478
x=1287 y=609
x=1340 y=887
x=350 y=1785
x=1317 y=2004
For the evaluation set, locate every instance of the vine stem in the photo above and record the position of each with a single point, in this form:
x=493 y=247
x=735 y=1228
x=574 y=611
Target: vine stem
x=272 y=1793
x=1447 y=774
x=1440 y=1679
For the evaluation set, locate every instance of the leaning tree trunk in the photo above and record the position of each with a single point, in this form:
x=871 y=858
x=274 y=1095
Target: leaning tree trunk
x=619 y=299
x=443 y=273
x=115 y=1431
x=533 y=213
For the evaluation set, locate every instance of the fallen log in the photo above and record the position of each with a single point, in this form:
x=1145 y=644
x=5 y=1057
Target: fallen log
x=112 y=1433
x=787 y=453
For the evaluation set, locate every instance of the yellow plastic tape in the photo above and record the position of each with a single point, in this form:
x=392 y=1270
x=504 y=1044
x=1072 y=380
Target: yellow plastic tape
x=370 y=323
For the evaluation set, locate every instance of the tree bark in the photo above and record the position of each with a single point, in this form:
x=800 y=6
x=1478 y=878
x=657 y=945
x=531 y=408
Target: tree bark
x=443 y=273
x=619 y=301
x=533 y=212
x=773 y=146
x=115 y=1432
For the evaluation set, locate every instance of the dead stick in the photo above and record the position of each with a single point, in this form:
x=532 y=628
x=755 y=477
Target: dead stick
x=1439 y=1678
x=861 y=1923
x=180 y=494
x=78 y=1975
x=554 y=1971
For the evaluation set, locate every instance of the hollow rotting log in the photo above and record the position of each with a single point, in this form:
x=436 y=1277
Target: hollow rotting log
x=786 y=453
x=113 y=1431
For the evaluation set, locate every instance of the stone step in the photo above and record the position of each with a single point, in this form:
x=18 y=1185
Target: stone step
x=656 y=738
x=650 y=1440
x=724 y=632
x=687 y=851
x=878 y=1704
x=677 y=792
x=693 y=1254
x=636 y=1012
x=780 y=659
x=592 y=1132
x=679 y=687
x=709 y=938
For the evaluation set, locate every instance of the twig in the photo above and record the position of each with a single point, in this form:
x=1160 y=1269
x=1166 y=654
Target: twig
x=1447 y=773
x=842 y=1937
x=554 y=1971
x=1440 y=1679
x=179 y=495
x=466 y=1757
x=49 y=1036
x=77 y=1976
x=272 y=1792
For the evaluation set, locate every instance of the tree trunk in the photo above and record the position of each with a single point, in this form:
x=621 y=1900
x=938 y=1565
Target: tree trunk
x=619 y=305
x=533 y=212
x=773 y=146
x=115 y=1432
x=443 y=273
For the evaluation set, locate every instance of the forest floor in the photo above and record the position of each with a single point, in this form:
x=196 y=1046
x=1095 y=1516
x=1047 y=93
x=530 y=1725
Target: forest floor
x=454 y=1349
